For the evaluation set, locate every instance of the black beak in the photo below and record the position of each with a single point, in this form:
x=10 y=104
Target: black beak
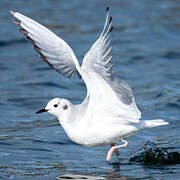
x=41 y=110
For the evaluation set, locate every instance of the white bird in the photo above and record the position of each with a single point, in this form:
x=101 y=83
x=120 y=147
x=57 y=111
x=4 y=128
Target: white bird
x=109 y=113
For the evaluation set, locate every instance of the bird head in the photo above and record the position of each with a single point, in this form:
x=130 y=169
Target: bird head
x=56 y=107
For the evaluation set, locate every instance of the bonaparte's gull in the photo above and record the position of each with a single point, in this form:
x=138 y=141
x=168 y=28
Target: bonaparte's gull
x=109 y=113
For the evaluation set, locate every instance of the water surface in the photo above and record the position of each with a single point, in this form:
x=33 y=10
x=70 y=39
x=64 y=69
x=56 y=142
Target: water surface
x=146 y=54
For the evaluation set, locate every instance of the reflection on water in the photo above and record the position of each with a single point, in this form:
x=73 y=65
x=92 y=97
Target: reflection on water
x=146 y=54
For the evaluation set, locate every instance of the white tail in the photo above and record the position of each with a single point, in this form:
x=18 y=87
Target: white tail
x=155 y=122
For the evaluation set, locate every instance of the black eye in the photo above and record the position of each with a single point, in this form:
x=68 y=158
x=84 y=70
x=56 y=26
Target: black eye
x=56 y=105
x=65 y=107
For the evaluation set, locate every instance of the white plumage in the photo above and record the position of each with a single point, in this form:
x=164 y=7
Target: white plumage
x=109 y=112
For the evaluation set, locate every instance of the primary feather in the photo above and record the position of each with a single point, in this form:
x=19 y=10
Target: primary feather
x=98 y=58
x=52 y=49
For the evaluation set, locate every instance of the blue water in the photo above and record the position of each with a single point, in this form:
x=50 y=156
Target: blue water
x=146 y=54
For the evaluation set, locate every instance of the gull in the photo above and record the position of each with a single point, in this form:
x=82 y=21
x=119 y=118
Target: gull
x=108 y=114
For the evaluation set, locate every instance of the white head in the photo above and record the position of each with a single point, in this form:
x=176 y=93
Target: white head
x=56 y=107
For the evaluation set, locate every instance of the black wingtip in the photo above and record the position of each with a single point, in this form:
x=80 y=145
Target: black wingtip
x=111 y=29
x=110 y=19
x=107 y=9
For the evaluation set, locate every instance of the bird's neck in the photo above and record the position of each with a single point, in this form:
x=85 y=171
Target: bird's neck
x=68 y=118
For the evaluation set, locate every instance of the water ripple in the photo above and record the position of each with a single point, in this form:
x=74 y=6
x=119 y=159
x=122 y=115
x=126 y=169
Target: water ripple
x=12 y=42
x=47 y=83
x=145 y=53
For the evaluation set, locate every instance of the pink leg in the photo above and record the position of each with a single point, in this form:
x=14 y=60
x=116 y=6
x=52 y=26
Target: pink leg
x=114 y=149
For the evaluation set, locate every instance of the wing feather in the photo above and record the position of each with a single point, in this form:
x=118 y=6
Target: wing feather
x=98 y=58
x=52 y=49
x=99 y=61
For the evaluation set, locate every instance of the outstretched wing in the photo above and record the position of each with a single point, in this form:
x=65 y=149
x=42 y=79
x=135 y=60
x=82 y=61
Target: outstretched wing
x=52 y=49
x=98 y=58
x=115 y=95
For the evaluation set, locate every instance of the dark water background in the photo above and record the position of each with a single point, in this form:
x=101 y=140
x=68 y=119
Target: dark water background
x=146 y=54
